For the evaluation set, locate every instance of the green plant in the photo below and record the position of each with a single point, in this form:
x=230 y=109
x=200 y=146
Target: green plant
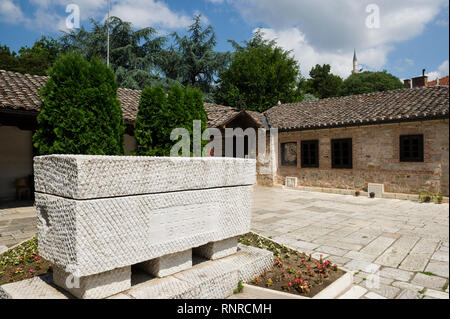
x=260 y=74
x=426 y=198
x=80 y=113
x=160 y=113
x=22 y=262
x=240 y=287
x=367 y=82
x=445 y=287
x=428 y=273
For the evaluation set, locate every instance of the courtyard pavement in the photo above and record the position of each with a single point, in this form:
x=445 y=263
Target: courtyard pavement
x=396 y=248
x=17 y=224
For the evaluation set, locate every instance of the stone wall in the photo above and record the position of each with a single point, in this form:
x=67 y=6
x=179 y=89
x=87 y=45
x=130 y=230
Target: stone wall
x=376 y=158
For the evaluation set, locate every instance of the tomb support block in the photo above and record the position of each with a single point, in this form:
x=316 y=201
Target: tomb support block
x=96 y=286
x=169 y=264
x=218 y=249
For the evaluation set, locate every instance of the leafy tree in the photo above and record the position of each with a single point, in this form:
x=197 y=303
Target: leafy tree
x=193 y=60
x=260 y=75
x=80 y=113
x=8 y=59
x=134 y=54
x=367 y=82
x=35 y=60
x=160 y=113
x=323 y=84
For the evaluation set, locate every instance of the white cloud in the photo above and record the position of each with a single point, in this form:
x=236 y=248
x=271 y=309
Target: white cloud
x=327 y=31
x=442 y=71
x=9 y=12
x=145 y=13
x=341 y=61
x=50 y=14
x=216 y=1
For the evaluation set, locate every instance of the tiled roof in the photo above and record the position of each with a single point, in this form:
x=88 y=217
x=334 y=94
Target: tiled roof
x=129 y=99
x=219 y=115
x=390 y=106
x=442 y=81
x=20 y=92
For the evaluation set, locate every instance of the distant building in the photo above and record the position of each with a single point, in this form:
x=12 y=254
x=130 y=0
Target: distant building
x=355 y=64
x=421 y=81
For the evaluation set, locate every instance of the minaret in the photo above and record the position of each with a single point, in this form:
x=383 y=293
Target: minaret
x=355 y=64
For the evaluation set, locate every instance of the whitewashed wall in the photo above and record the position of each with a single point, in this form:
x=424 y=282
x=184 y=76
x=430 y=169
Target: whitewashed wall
x=16 y=158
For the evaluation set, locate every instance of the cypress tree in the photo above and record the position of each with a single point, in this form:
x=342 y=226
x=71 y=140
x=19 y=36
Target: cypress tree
x=80 y=113
x=160 y=113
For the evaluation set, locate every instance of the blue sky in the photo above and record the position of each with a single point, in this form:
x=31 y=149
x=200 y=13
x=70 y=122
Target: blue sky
x=402 y=36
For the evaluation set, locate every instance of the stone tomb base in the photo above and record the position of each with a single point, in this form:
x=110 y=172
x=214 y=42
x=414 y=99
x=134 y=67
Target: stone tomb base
x=212 y=279
x=218 y=249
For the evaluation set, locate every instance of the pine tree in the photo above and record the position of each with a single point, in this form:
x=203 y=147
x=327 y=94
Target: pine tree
x=80 y=113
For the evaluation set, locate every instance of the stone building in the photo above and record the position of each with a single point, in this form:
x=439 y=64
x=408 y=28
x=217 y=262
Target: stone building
x=397 y=138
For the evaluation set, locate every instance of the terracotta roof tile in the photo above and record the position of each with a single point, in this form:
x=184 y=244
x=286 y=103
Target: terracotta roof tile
x=20 y=92
x=389 y=106
x=218 y=115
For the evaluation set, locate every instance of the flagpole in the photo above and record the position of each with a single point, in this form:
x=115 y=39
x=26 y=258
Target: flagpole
x=107 y=46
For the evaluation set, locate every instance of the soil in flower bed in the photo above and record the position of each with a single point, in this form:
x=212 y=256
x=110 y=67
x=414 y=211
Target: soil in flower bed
x=22 y=262
x=293 y=271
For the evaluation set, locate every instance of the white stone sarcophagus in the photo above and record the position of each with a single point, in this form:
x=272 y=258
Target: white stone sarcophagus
x=99 y=215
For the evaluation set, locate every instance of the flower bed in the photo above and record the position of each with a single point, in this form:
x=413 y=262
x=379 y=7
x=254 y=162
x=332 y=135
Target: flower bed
x=22 y=262
x=293 y=272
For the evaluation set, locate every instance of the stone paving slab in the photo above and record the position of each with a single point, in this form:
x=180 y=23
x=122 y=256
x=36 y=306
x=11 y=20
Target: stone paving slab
x=407 y=286
x=429 y=281
x=395 y=273
x=393 y=239
x=438 y=267
x=16 y=225
x=409 y=294
x=395 y=254
x=436 y=294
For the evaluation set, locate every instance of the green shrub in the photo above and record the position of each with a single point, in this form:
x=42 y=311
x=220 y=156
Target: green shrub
x=80 y=113
x=160 y=113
